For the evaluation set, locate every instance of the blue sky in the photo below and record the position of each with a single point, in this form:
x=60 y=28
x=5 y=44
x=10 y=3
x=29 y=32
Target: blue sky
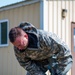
x=7 y=2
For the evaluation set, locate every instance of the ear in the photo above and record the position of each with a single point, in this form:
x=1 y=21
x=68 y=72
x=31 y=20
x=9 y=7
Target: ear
x=26 y=36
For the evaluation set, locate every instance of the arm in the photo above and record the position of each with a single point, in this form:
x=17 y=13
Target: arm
x=64 y=50
x=52 y=43
x=30 y=66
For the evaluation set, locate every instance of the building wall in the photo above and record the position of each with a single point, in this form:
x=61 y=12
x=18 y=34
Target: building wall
x=30 y=13
x=56 y=24
x=61 y=27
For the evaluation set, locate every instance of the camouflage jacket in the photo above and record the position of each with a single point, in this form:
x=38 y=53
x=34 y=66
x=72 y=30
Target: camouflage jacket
x=48 y=45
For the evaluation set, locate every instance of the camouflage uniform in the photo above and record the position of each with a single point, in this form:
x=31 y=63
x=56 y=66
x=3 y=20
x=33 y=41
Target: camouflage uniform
x=50 y=54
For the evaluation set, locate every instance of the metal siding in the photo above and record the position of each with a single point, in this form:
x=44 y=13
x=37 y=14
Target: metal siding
x=73 y=6
x=36 y=15
x=50 y=3
x=70 y=20
x=45 y=15
x=8 y=64
x=59 y=19
x=67 y=31
x=63 y=24
x=55 y=17
x=61 y=27
x=25 y=12
x=1 y=62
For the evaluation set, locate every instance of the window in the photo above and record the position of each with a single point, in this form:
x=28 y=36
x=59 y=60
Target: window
x=4 y=33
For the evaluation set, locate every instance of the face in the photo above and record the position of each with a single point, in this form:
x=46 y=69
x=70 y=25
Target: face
x=21 y=42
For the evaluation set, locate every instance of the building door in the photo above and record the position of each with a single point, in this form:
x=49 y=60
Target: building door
x=73 y=46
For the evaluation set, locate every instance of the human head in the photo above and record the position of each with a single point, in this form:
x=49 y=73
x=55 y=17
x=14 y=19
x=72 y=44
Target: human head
x=18 y=38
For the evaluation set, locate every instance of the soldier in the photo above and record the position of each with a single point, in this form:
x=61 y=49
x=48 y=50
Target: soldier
x=38 y=51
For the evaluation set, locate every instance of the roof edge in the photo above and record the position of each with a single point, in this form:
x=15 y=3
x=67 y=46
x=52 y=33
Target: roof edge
x=18 y=4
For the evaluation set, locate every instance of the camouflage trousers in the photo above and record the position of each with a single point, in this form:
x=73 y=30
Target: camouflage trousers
x=53 y=67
